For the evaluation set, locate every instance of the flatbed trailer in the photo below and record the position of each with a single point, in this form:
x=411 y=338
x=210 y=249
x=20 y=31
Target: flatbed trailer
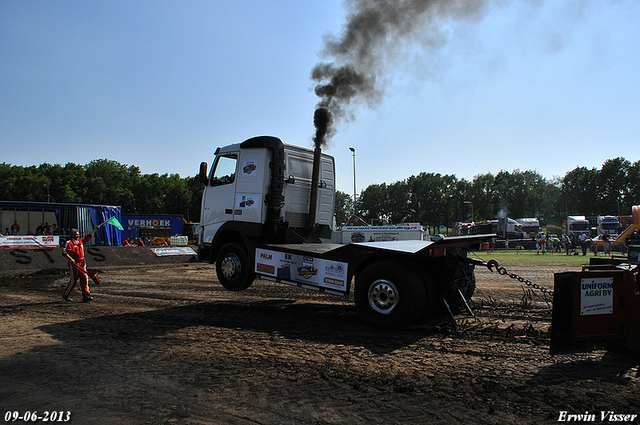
x=397 y=283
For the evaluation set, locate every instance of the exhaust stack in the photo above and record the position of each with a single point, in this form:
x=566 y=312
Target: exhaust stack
x=321 y=119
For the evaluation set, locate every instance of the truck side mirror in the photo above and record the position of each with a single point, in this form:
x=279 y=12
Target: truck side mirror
x=203 y=173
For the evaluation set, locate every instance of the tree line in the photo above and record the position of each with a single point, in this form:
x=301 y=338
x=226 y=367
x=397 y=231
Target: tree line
x=103 y=182
x=431 y=199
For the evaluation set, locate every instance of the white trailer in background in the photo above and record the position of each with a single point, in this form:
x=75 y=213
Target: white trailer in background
x=356 y=234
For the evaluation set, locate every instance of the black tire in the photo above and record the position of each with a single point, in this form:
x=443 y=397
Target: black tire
x=389 y=295
x=233 y=268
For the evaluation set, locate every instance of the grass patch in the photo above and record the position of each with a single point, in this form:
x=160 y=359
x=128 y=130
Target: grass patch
x=530 y=258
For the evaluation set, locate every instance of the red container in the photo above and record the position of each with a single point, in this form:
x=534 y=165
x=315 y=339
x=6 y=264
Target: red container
x=599 y=303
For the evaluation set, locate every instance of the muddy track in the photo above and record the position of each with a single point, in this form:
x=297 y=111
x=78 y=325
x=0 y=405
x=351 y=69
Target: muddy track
x=167 y=344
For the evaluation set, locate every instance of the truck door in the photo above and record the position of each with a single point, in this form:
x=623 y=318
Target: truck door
x=218 y=198
x=251 y=184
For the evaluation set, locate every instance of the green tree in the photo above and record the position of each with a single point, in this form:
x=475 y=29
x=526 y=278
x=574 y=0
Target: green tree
x=579 y=187
x=343 y=207
x=148 y=193
x=177 y=195
x=195 y=189
x=633 y=188
x=111 y=183
x=73 y=185
x=398 y=202
x=612 y=186
x=434 y=199
x=483 y=196
x=372 y=204
x=8 y=179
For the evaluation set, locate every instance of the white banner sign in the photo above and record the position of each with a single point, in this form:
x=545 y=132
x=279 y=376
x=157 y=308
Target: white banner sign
x=398 y=228
x=179 y=250
x=29 y=242
x=300 y=268
x=596 y=296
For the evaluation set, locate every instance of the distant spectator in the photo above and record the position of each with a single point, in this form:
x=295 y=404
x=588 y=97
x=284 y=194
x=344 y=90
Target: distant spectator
x=606 y=240
x=565 y=242
x=15 y=228
x=584 y=243
x=574 y=243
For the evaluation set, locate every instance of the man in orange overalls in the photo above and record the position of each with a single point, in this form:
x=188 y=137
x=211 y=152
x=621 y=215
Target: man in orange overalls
x=74 y=251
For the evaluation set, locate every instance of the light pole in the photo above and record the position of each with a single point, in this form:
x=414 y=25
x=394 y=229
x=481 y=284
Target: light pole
x=469 y=202
x=353 y=154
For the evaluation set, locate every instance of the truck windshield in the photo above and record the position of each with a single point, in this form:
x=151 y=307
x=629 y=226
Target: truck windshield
x=579 y=226
x=225 y=170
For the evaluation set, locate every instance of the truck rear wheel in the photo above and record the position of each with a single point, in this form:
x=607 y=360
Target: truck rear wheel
x=233 y=268
x=389 y=295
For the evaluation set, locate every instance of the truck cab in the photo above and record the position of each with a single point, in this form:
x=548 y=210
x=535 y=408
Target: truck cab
x=578 y=224
x=260 y=189
x=608 y=224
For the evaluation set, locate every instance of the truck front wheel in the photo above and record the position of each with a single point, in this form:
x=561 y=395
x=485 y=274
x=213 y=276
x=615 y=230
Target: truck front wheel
x=389 y=295
x=233 y=268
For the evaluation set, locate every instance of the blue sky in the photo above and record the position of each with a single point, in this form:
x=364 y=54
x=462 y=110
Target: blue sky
x=528 y=85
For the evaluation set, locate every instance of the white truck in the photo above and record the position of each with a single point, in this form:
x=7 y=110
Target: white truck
x=267 y=212
x=530 y=226
x=608 y=224
x=578 y=224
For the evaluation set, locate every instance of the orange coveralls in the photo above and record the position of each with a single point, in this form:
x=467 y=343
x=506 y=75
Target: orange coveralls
x=75 y=249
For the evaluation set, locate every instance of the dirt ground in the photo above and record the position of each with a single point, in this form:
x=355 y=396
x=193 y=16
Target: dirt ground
x=164 y=343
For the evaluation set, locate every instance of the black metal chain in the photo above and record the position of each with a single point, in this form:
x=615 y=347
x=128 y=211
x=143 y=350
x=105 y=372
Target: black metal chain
x=502 y=271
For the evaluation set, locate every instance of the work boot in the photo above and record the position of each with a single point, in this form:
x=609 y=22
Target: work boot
x=67 y=298
x=87 y=298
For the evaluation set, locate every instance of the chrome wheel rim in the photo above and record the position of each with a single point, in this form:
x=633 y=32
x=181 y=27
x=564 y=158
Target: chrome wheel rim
x=383 y=296
x=231 y=267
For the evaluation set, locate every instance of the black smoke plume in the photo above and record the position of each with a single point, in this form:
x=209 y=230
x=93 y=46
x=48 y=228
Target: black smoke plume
x=377 y=34
x=321 y=120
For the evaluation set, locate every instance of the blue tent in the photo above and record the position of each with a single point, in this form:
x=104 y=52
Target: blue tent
x=84 y=217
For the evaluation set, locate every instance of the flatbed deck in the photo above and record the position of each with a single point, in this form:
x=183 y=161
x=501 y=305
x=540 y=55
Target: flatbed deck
x=333 y=251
